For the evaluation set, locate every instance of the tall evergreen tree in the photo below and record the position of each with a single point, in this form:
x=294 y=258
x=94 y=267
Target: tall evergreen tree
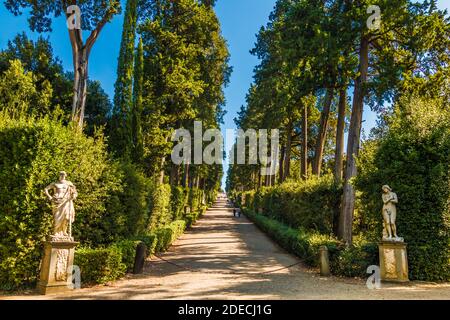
x=136 y=125
x=121 y=132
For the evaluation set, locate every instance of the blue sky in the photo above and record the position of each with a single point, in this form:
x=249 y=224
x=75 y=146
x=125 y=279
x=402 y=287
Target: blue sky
x=240 y=20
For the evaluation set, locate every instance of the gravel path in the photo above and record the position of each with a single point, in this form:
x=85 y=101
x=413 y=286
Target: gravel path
x=223 y=257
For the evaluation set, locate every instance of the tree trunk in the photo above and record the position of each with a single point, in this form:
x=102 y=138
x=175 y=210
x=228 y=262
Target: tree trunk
x=318 y=154
x=161 y=171
x=186 y=175
x=280 y=174
x=348 y=198
x=339 y=152
x=80 y=58
x=287 y=154
x=259 y=179
x=174 y=174
x=304 y=150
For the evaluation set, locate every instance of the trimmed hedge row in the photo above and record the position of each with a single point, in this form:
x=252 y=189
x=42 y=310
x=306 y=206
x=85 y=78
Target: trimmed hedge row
x=307 y=204
x=101 y=265
x=350 y=262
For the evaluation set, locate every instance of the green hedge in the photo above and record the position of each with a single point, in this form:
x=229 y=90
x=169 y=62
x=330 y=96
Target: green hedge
x=161 y=207
x=178 y=201
x=191 y=218
x=195 y=199
x=307 y=204
x=127 y=249
x=100 y=265
x=167 y=235
x=33 y=152
x=150 y=240
x=413 y=158
x=351 y=262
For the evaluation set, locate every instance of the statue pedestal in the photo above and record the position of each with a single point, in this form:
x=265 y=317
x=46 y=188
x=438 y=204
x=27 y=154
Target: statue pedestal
x=56 y=267
x=393 y=261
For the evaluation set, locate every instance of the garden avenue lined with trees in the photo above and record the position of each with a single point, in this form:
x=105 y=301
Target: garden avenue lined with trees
x=132 y=209
x=173 y=65
x=314 y=54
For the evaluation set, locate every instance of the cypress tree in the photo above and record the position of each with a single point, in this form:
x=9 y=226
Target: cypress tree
x=121 y=135
x=137 y=102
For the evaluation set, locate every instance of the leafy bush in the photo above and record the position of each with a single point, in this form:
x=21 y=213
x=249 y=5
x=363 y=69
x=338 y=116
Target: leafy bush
x=195 y=199
x=191 y=218
x=353 y=261
x=150 y=240
x=178 y=201
x=131 y=205
x=413 y=157
x=127 y=249
x=33 y=152
x=167 y=235
x=161 y=208
x=99 y=265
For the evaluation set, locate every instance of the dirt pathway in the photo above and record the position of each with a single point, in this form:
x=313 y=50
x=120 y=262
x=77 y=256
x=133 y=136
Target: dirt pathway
x=223 y=257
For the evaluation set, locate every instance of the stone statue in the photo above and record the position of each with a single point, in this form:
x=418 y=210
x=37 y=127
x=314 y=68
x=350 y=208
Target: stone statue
x=389 y=215
x=64 y=192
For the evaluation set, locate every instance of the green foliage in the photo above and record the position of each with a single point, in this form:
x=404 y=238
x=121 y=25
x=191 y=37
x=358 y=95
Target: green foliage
x=150 y=240
x=161 y=208
x=191 y=218
x=413 y=157
x=132 y=204
x=178 y=201
x=307 y=204
x=38 y=57
x=195 y=199
x=33 y=152
x=168 y=234
x=121 y=129
x=127 y=249
x=19 y=94
x=100 y=265
x=351 y=261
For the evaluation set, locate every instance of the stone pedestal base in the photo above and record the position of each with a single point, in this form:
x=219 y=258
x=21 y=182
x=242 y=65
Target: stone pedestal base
x=56 y=267
x=393 y=261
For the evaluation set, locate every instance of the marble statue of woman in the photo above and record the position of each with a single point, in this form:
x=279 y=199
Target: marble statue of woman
x=389 y=214
x=64 y=192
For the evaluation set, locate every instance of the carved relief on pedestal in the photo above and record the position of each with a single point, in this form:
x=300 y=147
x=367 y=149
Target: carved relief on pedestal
x=389 y=256
x=61 y=265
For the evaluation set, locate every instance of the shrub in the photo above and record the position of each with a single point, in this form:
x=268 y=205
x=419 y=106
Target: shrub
x=33 y=152
x=161 y=209
x=167 y=235
x=99 y=265
x=178 y=201
x=307 y=204
x=195 y=199
x=191 y=218
x=131 y=205
x=150 y=240
x=127 y=249
x=413 y=157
